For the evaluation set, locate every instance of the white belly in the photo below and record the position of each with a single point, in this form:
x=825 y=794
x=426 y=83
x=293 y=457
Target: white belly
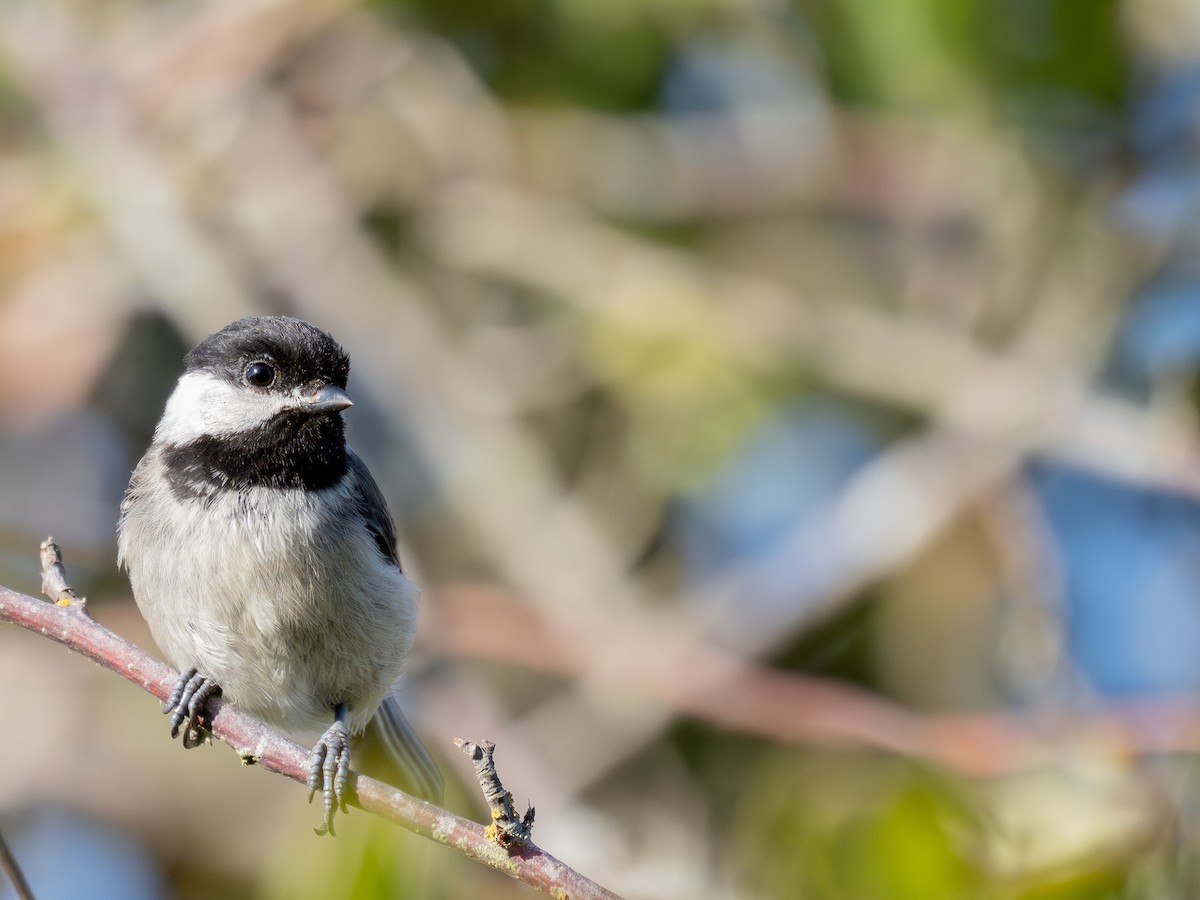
x=291 y=612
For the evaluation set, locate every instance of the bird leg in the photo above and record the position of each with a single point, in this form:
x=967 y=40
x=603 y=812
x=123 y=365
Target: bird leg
x=329 y=769
x=186 y=704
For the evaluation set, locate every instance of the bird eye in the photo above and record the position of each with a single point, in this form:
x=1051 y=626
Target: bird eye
x=260 y=374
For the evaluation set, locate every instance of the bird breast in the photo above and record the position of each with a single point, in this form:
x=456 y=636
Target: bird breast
x=273 y=593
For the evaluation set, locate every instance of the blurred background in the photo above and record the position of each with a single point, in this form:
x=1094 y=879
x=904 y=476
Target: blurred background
x=789 y=408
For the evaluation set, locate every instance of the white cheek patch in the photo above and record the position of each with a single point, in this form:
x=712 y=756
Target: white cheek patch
x=203 y=404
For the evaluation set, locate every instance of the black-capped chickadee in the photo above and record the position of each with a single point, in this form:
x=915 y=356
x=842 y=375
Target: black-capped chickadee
x=263 y=557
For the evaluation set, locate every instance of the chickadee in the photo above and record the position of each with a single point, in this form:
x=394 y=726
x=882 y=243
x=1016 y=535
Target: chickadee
x=262 y=555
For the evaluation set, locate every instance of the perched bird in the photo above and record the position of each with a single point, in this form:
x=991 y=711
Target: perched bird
x=262 y=554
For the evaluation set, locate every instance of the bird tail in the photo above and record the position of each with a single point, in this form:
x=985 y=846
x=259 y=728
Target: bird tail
x=391 y=751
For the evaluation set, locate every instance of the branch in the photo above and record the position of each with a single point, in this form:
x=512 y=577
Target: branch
x=688 y=677
x=257 y=744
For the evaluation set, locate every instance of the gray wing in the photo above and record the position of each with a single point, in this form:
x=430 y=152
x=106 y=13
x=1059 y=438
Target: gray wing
x=369 y=502
x=391 y=751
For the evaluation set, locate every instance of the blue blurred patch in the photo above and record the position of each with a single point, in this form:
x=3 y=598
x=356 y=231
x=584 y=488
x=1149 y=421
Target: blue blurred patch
x=1160 y=336
x=1164 y=120
x=66 y=855
x=1131 y=565
x=1166 y=196
x=765 y=513
x=705 y=77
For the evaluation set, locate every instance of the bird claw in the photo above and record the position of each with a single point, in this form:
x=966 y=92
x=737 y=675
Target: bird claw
x=187 y=704
x=329 y=773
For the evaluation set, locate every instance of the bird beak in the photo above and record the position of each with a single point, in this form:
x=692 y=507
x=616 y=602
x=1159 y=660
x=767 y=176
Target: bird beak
x=330 y=398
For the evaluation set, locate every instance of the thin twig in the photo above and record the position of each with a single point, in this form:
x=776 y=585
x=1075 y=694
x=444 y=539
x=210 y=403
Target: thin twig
x=507 y=828
x=263 y=746
x=54 y=577
x=8 y=863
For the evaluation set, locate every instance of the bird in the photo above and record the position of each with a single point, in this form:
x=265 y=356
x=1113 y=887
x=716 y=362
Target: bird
x=262 y=555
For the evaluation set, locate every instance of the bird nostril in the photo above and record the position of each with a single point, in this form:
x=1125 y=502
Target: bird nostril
x=328 y=398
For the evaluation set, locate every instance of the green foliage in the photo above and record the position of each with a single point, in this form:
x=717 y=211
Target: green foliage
x=937 y=53
x=826 y=827
x=838 y=647
x=851 y=825
x=604 y=55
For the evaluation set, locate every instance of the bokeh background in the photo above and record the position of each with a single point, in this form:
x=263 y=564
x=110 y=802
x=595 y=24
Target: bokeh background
x=789 y=408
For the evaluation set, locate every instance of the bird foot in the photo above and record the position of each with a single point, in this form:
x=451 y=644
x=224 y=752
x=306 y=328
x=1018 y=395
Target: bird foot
x=187 y=704
x=329 y=772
